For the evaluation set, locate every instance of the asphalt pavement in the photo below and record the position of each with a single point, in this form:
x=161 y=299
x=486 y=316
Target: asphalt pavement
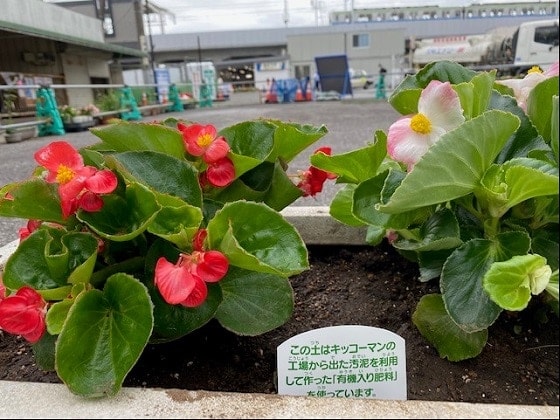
x=351 y=123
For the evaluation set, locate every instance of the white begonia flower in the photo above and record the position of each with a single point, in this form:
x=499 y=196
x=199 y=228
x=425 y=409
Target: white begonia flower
x=523 y=87
x=439 y=111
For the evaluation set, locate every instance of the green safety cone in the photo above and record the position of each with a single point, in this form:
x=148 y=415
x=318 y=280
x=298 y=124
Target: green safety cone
x=46 y=107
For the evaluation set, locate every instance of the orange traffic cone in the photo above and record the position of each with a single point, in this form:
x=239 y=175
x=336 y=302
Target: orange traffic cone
x=299 y=95
x=308 y=93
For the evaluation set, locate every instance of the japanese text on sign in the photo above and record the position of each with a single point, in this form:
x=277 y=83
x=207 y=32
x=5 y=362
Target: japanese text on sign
x=348 y=361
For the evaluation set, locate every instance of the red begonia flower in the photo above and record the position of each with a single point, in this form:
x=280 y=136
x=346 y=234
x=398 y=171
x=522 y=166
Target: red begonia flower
x=79 y=185
x=199 y=238
x=202 y=140
x=312 y=180
x=220 y=173
x=24 y=314
x=32 y=226
x=184 y=283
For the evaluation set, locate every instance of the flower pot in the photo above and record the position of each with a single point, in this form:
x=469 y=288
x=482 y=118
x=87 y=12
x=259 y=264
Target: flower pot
x=348 y=284
x=20 y=134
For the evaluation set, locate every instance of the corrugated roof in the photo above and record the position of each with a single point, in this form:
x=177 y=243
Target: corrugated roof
x=41 y=33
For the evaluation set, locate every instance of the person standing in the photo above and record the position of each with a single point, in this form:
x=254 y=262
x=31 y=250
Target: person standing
x=380 y=91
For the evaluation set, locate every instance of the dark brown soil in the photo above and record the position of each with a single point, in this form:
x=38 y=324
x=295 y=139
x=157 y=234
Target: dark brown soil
x=371 y=286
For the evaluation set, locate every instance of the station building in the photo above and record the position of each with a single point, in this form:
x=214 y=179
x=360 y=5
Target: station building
x=95 y=42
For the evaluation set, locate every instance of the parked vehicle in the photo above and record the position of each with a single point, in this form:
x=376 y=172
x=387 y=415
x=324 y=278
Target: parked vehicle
x=359 y=79
x=511 y=50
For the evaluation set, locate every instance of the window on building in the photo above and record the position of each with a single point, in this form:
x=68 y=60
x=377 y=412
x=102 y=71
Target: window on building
x=360 y=40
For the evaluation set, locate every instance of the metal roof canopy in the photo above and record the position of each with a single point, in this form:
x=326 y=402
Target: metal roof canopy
x=117 y=50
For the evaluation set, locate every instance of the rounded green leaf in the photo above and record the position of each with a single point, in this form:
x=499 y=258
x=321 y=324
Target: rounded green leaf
x=461 y=286
x=254 y=303
x=161 y=173
x=138 y=136
x=255 y=237
x=450 y=341
x=103 y=337
x=123 y=219
x=510 y=283
x=32 y=199
x=50 y=259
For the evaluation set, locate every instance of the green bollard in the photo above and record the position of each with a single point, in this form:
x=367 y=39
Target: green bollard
x=380 y=91
x=176 y=103
x=127 y=100
x=205 y=96
x=46 y=107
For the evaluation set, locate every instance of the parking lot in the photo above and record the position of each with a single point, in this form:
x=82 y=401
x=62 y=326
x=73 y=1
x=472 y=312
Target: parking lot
x=351 y=123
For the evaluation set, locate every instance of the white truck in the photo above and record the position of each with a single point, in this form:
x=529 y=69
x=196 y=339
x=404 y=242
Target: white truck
x=511 y=51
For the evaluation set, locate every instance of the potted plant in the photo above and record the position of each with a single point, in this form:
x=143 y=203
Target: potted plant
x=153 y=232
x=466 y=185
x=67 y=113
x=14 y=135
x=107 y=103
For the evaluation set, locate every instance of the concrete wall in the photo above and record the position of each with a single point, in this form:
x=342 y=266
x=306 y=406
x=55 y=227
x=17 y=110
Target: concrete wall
x=51 y=18
x=385 y=47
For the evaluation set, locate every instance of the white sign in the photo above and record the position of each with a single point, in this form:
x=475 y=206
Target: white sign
x=346 y=361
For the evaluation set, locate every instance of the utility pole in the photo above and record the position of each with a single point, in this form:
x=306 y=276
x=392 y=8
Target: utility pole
x=151 y=42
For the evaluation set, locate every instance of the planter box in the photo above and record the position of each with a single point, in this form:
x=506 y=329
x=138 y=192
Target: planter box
x=80 y=123
x=20 y=134
x=18 y=399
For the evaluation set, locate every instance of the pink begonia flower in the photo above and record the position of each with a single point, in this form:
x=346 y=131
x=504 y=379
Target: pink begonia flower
x=523 y=87
x=439 y=111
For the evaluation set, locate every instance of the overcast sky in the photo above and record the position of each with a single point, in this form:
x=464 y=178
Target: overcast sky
x=222 y=15
x=219 y=15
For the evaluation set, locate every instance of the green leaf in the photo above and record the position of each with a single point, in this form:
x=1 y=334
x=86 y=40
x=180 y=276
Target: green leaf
x=526 y=138
x=176 y=222
x=254 y=303
x=354 y=166
x=555 y=126
x=461 y=279
x=539 y=107
x=253 y=142
x=475 y=94
x=138 y=136
x=510 y=283
x=268 y=182
x=290 y=138
x=50 y=260
x=43 y=352
x=255 y=237
x=32 y=199
x=57 y=314
x=341 y=206
x=103 y=337
x=552 y=287
x=123 y=219
x=440 y=231
x=528 y=178
x=467 y=151
x=162 y=173
x=438 y=328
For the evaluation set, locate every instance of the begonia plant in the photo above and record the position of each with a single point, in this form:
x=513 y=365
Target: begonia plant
x=465 y=183
x=147 y=235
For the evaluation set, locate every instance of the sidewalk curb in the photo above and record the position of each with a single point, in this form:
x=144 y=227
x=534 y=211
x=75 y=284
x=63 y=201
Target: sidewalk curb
x=41 y=400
